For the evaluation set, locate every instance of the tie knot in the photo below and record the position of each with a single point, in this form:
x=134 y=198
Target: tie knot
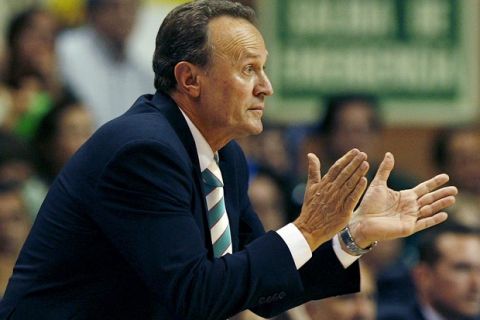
x=212 y=175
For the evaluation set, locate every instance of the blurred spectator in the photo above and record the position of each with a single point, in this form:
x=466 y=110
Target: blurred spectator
x=457 y=152
x=14 y=227
x=356 y=306
x=31 y=73
x=447 y=276
x=17 y=164
x=96 y=62
x=268 y=200
x=394 y=283
x=350 y=121
x=60 y=134
x=355 y=121
x=268 y=152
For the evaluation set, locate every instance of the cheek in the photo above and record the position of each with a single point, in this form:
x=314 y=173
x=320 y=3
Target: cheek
x=450 y=286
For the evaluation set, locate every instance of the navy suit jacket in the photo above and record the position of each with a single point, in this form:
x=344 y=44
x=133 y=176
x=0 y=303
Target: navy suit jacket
x=123 y=234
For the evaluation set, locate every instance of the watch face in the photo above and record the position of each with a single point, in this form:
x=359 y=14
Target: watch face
x=350 y=244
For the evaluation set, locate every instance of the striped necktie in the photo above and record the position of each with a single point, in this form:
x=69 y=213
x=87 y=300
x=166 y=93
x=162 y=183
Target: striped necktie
x=217 y=214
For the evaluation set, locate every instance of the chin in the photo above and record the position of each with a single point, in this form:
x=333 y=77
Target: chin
x=256 y=129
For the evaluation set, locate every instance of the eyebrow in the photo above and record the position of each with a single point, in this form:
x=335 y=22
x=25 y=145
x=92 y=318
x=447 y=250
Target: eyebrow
x=250 y=55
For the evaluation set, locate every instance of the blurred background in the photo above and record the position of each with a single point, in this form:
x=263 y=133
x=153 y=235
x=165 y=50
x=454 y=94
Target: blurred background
x=379 y=75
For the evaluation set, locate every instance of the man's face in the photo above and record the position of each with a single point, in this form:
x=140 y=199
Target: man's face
x=75 y=126
x=115 y=19
x=14 y=224
x=455 y=279
x=234 y=83
x=353 y=128
x=464 y=159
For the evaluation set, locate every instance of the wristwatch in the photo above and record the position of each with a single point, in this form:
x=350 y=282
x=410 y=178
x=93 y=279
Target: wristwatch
x=352 y=247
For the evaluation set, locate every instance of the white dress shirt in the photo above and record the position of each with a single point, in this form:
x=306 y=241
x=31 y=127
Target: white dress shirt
x=294 y=239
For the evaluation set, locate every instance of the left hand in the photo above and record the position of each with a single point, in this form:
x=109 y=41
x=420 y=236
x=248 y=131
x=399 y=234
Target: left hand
x=387 y=214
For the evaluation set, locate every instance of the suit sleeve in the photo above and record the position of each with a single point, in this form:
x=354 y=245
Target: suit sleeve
x=322 y=276
x=144 y=208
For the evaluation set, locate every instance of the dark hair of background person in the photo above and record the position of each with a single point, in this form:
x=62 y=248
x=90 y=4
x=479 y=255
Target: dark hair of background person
x=13 y=148
x=335 y=103
x=93 y=5
x=183 y=36
x=18 y=25
x=440 y=150
x=428 y=251
x=45 y=135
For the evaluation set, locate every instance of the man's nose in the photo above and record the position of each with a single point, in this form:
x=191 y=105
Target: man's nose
x=264 y=86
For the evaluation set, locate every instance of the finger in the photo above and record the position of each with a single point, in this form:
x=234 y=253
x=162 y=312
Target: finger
x=356 y=194
x=314 y=175
x=340 y=164
x=354 y=179
x=350 y=171
x=429 y=185
x=428 y=210
x=384 y=170
x=437 y=194
x=425 y=223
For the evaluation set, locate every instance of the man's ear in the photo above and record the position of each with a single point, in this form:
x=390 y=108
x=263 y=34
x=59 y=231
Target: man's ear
x=188 y=82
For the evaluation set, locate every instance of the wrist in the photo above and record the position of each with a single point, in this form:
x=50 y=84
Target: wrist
x=351 y=246
x=356 y=232
x=313 y=241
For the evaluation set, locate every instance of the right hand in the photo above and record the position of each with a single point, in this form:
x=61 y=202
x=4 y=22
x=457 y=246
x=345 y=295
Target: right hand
x=329 y=201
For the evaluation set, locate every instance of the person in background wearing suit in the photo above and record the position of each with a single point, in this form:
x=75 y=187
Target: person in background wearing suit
x=447 y=275
x=150 y=219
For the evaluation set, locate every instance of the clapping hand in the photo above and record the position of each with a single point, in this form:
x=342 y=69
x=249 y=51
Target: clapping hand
x=388 y=214
x=330 y=199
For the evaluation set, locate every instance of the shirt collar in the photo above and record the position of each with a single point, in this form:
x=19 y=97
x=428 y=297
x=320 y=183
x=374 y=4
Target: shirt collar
x=204 y=151
x=430 y=314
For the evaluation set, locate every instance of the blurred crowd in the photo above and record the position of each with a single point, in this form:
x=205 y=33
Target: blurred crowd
x=59 y=81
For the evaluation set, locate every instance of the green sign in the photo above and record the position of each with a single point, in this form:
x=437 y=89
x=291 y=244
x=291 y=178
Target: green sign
x=412 y=53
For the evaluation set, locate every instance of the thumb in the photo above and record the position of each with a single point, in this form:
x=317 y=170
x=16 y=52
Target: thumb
x=314 y=175
x=384 y=169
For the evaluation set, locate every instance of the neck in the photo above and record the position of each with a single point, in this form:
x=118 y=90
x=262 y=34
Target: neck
x=215 y=137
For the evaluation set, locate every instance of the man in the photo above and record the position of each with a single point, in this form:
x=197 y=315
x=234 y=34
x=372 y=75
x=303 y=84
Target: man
x=457 y=151
x=143 y=223
x=96 y=62
x=14 y=226
x=447 y=276
x=356 y=306
x=356 y=120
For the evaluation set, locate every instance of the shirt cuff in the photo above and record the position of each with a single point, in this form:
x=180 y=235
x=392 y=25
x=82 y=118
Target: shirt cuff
x=296 y=243
x=345 y=258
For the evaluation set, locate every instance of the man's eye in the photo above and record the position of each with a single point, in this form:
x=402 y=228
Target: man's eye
x=249 y=69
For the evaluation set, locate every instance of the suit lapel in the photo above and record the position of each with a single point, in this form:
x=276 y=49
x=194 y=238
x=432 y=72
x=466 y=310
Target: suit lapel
x=174 y=116
x=170 y=110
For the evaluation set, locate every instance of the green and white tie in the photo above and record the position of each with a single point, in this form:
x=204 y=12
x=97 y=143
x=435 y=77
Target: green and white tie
x=217 y=214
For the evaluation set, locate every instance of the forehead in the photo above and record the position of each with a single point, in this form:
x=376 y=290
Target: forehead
x=235 y=38
x=455 y=247
x=465 y=140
